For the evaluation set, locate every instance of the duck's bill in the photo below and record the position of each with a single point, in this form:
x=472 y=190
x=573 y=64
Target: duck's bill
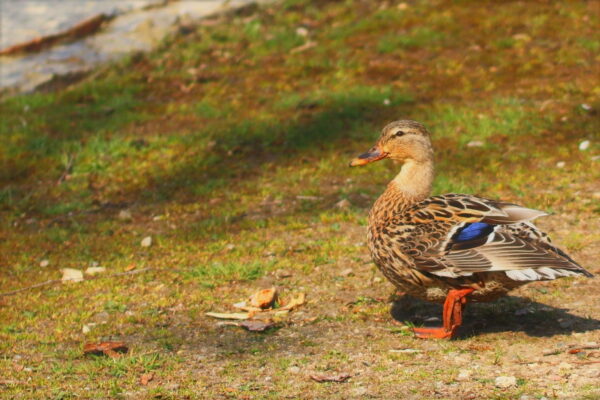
x=370 y=156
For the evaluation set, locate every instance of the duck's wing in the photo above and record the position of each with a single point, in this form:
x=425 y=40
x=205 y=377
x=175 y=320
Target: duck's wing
x=458 y=235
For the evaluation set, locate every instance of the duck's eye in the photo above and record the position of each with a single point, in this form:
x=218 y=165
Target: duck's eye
x=399 y=133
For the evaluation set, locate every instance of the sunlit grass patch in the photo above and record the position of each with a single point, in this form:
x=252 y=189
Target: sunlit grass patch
x=415 y=38
x=216 y=273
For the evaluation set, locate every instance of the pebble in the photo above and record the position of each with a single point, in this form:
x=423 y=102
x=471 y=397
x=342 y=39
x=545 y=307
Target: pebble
x=586 y=107
x=342 y=204
x=71 y=275
x=87 y=328
x=44 y=263
x=505 y=381
x=464 y=375
x=146 y=242
x=302 y=31
x=561 y=164
x=95 y=270
x=360 y=391
x=386 y=102
x=584 y=145
x=294 y=369
x=124 y=215
x=475 y=143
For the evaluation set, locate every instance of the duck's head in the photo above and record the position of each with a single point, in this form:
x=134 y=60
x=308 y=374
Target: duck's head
x=401 y=141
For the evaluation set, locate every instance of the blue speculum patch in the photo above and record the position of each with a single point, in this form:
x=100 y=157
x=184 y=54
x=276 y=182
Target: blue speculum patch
x=472 y=231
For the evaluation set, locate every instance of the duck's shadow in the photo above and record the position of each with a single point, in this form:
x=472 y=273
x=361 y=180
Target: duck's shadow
x=507 y=314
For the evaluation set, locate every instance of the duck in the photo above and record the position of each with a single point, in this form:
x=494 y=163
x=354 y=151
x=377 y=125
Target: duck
x=451 y=248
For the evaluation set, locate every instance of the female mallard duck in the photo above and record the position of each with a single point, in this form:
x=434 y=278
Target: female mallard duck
x=455 y=246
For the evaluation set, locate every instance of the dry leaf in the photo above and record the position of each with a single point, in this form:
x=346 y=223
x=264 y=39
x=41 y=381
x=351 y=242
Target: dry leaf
x=228 y=315
x=243 y=306
x=341 y=377
x=145 y=378
x=263 y=298
x=18 y=367
x=295 y=302
x=257 y=326
x=71 y=275
x=111 y=349
x=130 y=267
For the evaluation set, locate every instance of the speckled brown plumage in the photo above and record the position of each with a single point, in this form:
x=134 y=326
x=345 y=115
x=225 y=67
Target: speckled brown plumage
x=429 y=247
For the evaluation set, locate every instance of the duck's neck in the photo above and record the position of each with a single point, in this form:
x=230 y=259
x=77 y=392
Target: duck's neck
x=414 y=180
x=411 y=185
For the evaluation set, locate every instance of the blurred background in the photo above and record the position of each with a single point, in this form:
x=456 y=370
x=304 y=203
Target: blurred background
x=205 y=144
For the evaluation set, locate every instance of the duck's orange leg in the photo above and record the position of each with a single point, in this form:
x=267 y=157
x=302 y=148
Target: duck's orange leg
x=452 y=316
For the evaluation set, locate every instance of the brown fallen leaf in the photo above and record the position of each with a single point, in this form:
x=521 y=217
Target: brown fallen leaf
x=111 y=349
x=263 y=298
x=145 y=378
x=295 y=302
x=18 y=367
x=341 y=377
x=130 y=267
x=243 y=306
x=257 y=326
x=228 y=315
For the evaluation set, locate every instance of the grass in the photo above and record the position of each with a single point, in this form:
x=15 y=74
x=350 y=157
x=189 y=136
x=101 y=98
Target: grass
x=229 y=145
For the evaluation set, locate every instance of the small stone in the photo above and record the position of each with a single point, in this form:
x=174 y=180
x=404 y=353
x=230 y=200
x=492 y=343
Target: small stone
x=584 y=145
x=377 y=279
x=386 y=102
x=342 y=204
x=564 y=365
x=230 y=246
x=586 y=107
x=302 y=31
x=146 y=242
x=522 y=37
x=124 y=215
x=85 y=329
x=294 y=369
x=505 y=381
x=464 y=375
x=95 y=270
x=71 y=275
x=475 y=143
x=280 y=274
x=44 y=263
x=561 y=164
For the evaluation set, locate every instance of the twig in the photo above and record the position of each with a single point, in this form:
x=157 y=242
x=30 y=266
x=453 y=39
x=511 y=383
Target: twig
x=585 y=362
x=68 y=169
x=53 y=281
